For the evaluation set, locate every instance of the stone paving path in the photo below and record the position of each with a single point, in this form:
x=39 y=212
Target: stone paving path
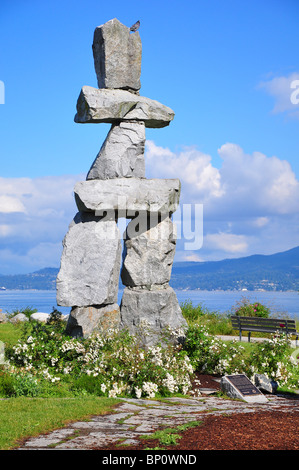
x=134 y=418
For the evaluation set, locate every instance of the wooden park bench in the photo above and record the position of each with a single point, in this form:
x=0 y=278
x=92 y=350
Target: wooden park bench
x=263 y=325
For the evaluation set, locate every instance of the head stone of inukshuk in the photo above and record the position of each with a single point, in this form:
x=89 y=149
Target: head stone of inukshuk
x=115 y=186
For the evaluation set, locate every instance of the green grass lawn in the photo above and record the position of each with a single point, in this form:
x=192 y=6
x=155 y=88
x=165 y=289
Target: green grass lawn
x=23 y=417
x=10 y=334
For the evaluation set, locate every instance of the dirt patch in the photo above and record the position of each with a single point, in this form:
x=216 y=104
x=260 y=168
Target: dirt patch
x=206 y=381
x=241 y=431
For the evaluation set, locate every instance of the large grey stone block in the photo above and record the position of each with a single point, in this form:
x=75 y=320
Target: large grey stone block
x=83 y=321
x=110 y=106
x=20 y=317
x=117 y=56
x=264 y=383
x=148 y=256
x=90 y=263
x=157 y=308
x=40 y=316
x=128 y=195
x=122 y=154
x=3 y=317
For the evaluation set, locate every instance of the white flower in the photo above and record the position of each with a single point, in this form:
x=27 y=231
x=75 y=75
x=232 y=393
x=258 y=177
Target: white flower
x=150 y=388
x=72 y=345
x=116 y=390
x=170 y=383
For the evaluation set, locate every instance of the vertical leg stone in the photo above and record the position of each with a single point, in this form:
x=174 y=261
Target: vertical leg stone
x=90 y=263
x=148 y=299
x=149 y=254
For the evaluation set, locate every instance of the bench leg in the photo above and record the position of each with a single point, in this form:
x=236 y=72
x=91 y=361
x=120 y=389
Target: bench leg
x=249 y=334
x=240 y=335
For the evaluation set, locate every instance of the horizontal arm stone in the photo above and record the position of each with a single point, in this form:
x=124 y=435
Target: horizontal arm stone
x=109 y=106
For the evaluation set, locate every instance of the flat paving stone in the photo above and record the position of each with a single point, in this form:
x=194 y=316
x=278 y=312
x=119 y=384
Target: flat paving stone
x=99 y=425
x=113 y=418
x=50 y=439
x=134 y=418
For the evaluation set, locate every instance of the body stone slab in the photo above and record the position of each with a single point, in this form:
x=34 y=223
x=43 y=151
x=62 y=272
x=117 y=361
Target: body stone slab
x=122 y=153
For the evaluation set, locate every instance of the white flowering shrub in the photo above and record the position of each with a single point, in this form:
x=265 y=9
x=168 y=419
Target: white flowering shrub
x=110 y=364
x=273 y=359
x=209 y=355
x=46 y=362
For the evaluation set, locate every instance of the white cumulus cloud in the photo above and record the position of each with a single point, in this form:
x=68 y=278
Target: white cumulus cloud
x=227 y=242
x=190 y=165
x=34 y=218
x=285 y=91
x=9 y=204
x=257 y=183
x=243 y=200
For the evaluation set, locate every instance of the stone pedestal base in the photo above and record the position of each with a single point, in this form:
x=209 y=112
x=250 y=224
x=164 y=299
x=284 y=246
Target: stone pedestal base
x=83 y=321
x=152 y=312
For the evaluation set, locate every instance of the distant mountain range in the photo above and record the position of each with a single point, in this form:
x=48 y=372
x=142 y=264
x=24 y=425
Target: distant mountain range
x=44 y=279
x=257 y=272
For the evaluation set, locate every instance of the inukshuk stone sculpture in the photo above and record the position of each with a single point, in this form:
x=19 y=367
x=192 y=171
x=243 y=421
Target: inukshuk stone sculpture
x=116 y=187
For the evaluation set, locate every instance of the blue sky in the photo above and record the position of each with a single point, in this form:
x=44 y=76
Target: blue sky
x=225 y=68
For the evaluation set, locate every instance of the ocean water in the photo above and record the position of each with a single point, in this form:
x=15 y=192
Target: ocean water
x=219 y=301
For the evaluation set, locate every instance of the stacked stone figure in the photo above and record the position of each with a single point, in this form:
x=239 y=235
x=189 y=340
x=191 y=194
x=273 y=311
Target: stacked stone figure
x=116 y=187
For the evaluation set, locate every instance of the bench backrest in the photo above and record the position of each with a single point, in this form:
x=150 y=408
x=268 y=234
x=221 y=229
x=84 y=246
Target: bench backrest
x=270 y=325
